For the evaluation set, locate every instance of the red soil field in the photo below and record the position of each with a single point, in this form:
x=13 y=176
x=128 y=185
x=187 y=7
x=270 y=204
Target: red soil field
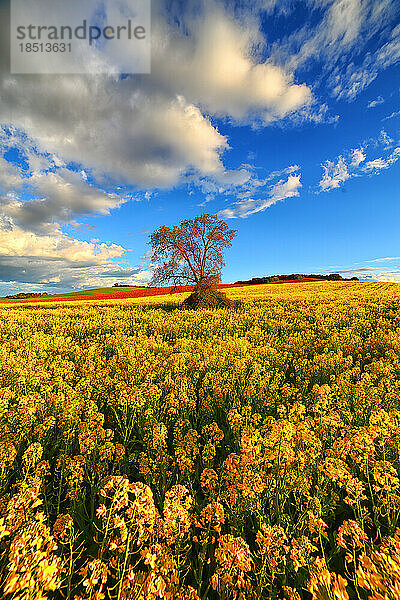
x=147 y=292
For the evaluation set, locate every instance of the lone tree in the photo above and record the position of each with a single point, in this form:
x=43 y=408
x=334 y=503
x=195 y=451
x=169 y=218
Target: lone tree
x=192 y=253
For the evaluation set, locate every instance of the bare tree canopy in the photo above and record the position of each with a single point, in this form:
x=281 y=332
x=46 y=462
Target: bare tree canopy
x=191 y=252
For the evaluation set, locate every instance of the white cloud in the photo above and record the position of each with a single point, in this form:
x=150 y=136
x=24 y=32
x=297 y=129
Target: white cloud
x=348 y=83
x=337 y=43
x=334 y=174
x=250 y=192
x=17 y=242
x=358 y=156
x=285 y=189
x=386 y=258
x=390 y=52
x=380 y=163
x=60 y=261
x=388 y=276
x=60 y=196
x=218 y=66
x=33 y=202
x=376 y=102
x=354 y=163
x=394 y=114
x=336 y=32
x=385 y=138
x=113 y=128
x=376 y=269
x=249 y=205
x=36 y=198
x=43 y=274
x=151 y=131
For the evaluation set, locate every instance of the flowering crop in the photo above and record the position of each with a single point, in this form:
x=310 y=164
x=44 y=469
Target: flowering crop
x=148 y=452
x=144 y=292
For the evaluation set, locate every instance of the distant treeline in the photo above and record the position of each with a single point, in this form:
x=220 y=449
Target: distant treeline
x=26 y=295
x=272 y=278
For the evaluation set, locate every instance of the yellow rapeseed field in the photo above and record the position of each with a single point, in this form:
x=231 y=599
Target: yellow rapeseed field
x=150 y=453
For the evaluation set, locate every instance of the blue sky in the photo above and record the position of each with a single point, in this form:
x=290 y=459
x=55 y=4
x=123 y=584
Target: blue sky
x=281 y=117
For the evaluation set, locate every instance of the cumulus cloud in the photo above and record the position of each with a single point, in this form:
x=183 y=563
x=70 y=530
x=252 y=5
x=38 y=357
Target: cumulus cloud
x=60 y=196
x=58 y=246
x=113 y=128
x=35 y=197
x=60 y=261
x=141 y=132
x=44 y=191
x=56 y=275
x=150 y=131
x=219 y=66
